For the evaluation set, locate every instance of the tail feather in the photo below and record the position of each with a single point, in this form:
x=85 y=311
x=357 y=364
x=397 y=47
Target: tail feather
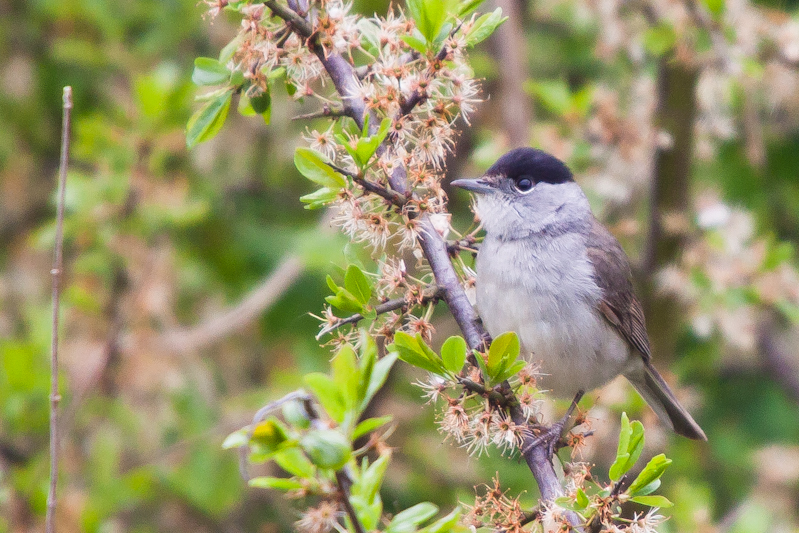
x=658 y=395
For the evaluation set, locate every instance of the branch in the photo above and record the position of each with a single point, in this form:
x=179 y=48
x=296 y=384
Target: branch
x=58 y=264
x=326 y=111
x=385 y=307
x=240 y=315
x=340 y=71
x=433 y=246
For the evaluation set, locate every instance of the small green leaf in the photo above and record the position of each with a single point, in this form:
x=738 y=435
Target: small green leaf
x=262 y=103
x=345 y=301
x=554 y=95
x=407 y=520
x=446 y=524
x=716 y=7
x=467 y=6
x=208 y=71
x=236 y=439
x=411 y=352
x=369 y=425
x=617 y=469
x=453 y=354
x=313 y=166
x=358 y=284
x=371 y=478
x=652 y=501
x=327 y=448
x=649 y=489
x=582 y=498
x=503 y=350
x=511 y=371
x=660 y=39
x=293 y=461
x=652 y=471
x=567 y=503
x=379 y=376
x=208 y=120
x=284 y=484
x=484 y=27
x=417 y=43
x=328 y=394
x=346 y=375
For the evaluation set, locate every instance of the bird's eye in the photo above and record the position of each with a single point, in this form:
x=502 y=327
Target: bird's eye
x=524 y=184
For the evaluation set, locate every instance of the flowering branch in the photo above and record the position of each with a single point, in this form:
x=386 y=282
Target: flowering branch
x=385 y=307
x=433 y=245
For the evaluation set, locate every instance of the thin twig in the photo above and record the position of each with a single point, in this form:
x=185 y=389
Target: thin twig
x=326 y=111
x=344 y=484
x=385 y=307
x=392 y=197
x=58 y=262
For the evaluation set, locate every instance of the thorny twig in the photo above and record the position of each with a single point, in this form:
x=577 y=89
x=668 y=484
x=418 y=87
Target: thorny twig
x=58 y=263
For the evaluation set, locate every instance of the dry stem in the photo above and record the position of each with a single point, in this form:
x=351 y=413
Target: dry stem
x=58 y=262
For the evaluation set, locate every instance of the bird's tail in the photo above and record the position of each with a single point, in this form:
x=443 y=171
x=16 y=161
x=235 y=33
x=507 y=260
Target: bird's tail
x=659 y=396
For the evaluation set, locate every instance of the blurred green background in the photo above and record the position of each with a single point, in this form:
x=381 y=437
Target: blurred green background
x=190 y=276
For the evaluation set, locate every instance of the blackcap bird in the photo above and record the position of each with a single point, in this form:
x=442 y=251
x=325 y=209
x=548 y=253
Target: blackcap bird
x=552 y=273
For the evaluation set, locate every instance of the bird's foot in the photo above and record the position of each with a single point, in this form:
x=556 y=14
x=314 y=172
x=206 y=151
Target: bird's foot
x=550 y=435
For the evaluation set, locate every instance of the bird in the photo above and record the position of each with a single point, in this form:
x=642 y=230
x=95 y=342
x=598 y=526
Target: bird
x=549 y=271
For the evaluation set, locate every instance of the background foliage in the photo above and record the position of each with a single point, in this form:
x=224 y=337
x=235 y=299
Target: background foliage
x=190 y=275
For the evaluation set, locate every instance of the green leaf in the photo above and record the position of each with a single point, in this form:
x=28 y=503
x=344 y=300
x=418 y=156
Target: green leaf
x=313 y=166
x=208 y=71
x=332 y=284
x=652 y=501
x=716 y=7
x=453 y=354
x=208 y=120
x=567 y=503
x=653 y=470
x=346 y=375
x=413 y=353
x=407 y=520
x=358 y=284
x=284 y=484
x=503 y=350
x=328 y=394
x=512 y=370
x=262 y=104
x=467 y=6
x=417 y=43
x=484 y=27
x=327 y=448
x=369 y=425
x=371 y=478
x=617 y=469
x=345 y=301
x=649 y=489
x=554 y=95
x=446 y=524
x=379 y=376
x=582 y=498
x=660 y=39
x=293 y=461
x=236 y=439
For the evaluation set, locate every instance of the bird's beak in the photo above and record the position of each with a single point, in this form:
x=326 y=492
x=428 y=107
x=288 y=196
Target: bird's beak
x=479 y=185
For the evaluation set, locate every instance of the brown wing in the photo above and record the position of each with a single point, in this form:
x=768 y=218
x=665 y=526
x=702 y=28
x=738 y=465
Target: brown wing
x=619 y=304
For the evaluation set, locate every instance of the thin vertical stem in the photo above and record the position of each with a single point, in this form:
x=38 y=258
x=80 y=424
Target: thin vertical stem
x=58 y=262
